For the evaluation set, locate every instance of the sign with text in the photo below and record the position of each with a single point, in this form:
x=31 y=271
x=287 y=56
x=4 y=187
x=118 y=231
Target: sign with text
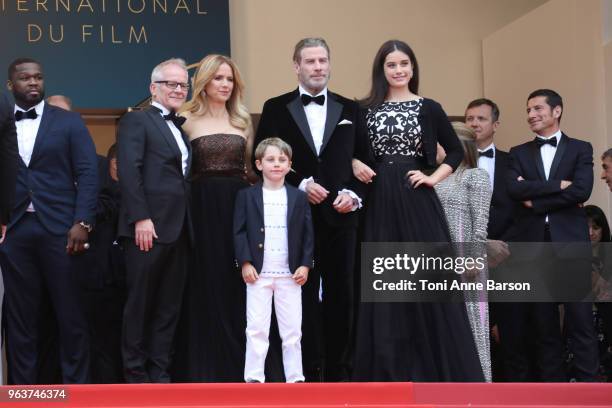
x=100 y=53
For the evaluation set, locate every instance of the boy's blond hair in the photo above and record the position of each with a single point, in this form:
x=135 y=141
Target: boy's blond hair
x=273 y=141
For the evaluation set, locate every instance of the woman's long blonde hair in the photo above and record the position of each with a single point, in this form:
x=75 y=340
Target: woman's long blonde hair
x=239 y=116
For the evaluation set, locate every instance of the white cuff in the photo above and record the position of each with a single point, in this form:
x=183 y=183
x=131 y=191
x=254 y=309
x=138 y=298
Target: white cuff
x=303 y=183
x=356 y=200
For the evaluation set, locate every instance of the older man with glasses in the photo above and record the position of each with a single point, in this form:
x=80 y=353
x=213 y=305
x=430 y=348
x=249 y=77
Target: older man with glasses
x=154 y=158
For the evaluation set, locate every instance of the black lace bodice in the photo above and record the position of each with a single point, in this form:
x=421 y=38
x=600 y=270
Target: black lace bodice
x=394 y=129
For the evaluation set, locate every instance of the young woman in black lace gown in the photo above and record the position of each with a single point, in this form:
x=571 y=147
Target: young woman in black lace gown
x=211 y=342
x=409 y=341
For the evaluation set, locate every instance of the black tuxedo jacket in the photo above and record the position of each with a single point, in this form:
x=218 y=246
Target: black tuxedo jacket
x=573 y=161
x=9 y=155
x=284 y=117
x=151 y=178
x=249 y=230
x=61 y=179
x=501 y=212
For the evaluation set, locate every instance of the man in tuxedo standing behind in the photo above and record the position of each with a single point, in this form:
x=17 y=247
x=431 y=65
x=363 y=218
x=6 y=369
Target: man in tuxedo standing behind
x=154 y=157
x=550 y=177
x=55 y=206
x=320 y=126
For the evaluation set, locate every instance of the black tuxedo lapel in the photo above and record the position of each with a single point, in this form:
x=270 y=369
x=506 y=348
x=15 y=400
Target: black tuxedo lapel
x=167 y=134
x=558 y=155
x=291 y=197
x=537 y=157
x=334 y=109
x=45 y=122
x=296 y=108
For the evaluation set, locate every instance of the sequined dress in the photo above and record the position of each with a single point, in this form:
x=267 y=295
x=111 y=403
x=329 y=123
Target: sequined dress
x=408 y=341
x=211 y=340
x=465 y=196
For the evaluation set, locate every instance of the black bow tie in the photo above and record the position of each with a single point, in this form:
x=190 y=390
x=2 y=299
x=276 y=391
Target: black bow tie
x=319 y=100
x=487 y=153
x=541 y=142
x=177 y=120
x=31 y=114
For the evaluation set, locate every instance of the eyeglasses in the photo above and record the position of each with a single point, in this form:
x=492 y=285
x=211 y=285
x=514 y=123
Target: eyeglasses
x=174 y=85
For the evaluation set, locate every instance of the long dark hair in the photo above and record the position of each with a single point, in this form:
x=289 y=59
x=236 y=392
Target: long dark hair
x=597 y=216
x=380 y=86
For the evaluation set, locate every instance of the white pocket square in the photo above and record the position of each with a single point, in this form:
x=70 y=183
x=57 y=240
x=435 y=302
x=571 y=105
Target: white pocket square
x=345 y=122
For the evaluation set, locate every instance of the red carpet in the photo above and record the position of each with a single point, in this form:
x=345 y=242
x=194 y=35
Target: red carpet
x=362 y=395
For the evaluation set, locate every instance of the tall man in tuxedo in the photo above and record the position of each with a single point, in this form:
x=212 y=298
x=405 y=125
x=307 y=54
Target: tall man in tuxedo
x=55 y=206
x=8 y=162
x=154 y=158
x=550 y=177
x=320 y=126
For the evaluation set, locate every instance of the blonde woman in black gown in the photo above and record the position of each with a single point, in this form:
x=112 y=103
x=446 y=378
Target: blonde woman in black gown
x=409 y=341
x=219 y=129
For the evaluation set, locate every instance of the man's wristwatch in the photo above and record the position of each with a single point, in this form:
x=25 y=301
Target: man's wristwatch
x=85 y=225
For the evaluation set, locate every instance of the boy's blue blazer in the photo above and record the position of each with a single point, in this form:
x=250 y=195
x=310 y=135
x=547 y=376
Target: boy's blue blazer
x=249 y=229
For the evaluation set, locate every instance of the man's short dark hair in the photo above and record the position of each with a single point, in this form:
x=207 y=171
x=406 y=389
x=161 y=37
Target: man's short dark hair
x=484 y=101
x=607 y=154
x=307 y=43
x=23 y=60
x=553 y=99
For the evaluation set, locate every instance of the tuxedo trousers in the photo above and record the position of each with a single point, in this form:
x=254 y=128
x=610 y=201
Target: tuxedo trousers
x=334 y=267
x=35 y=261
x=155 y=284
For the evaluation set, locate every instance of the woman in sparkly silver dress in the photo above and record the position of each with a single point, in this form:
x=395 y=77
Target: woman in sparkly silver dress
x=409 y=341
x=465 y=196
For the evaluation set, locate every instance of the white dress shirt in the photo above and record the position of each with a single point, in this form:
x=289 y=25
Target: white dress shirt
x=548 y=152
x=27 y=129
x=316 y=115
x=177 y=136
x=488 y=163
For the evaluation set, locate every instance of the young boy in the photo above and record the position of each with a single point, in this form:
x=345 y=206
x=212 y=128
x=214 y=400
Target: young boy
x=274 y=241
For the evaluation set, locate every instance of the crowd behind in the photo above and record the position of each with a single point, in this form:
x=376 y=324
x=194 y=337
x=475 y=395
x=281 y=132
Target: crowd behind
x=161 y=261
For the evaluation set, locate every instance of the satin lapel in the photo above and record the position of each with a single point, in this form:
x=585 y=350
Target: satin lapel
x=299 y=116
x=334 y=109
x=48 y=117
x=537 y=157
x=188 y=145
x=291 y=197
x=258 y=196
x=558 y=155
x=166 y=133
